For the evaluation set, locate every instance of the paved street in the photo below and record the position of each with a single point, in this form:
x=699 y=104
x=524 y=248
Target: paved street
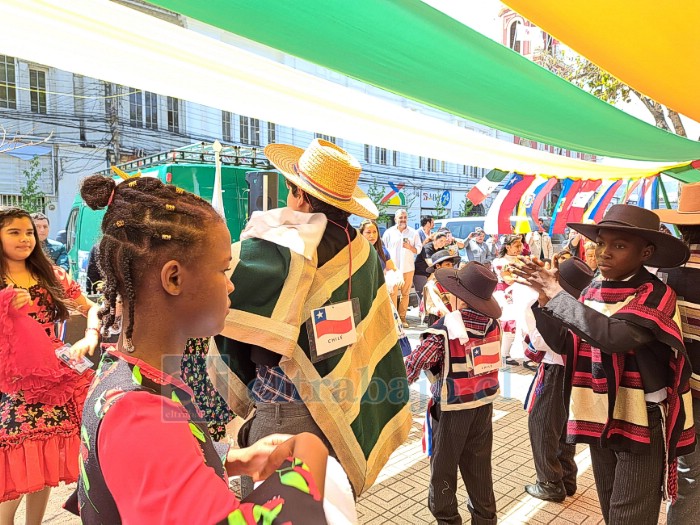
x=401 y=492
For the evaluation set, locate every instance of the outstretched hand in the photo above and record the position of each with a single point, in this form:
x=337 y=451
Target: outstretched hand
x=534 y=273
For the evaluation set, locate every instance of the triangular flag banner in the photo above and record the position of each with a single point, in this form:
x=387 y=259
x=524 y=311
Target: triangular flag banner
x=485 y=186
x=569 y=190
x=601 y=201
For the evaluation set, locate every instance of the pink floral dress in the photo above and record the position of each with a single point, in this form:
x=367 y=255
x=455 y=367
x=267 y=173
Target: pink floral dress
x=40 y=443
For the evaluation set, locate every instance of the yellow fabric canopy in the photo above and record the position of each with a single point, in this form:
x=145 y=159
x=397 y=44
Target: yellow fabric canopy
x=650 y=45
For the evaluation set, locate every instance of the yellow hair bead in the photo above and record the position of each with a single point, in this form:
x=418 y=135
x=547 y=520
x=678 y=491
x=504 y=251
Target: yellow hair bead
x=132 y=184
x=179 y=190
x=170 y=207
x=166 y=237
x=119 y=223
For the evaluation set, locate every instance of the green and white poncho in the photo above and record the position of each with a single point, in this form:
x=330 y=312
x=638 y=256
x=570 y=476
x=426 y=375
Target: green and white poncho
x=359 y=399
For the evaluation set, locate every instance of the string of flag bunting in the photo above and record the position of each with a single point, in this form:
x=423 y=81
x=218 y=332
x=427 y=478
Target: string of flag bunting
x=579 y=200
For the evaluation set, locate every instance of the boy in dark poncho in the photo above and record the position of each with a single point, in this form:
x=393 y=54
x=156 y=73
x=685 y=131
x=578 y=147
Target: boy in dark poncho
x=627 y=368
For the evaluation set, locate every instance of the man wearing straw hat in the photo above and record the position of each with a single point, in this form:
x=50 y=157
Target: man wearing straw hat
x=310 y=335
x=685 y=281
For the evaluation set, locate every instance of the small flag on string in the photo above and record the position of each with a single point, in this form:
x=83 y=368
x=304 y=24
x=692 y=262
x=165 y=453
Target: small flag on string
x=485 y=186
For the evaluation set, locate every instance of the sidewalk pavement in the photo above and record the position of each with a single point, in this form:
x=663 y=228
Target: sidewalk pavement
x=400 y=494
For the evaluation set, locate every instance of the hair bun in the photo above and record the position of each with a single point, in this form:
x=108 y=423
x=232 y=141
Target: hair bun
x=96 y=191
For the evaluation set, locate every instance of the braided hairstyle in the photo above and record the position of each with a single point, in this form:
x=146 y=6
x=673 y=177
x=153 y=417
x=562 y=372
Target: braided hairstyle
x=147 y=222
x=37 y=263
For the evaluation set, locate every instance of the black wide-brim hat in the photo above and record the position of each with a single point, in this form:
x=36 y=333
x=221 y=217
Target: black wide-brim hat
x=574 y=276
x=669 y=251
x=474 y=284
x=442 y=256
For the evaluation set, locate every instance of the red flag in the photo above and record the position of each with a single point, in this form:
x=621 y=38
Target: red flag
x=510 y=201
x=581 y=199
x=570 y=188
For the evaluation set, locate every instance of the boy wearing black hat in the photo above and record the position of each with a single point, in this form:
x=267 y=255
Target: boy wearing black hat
x=462 y=352
x=628 y=382
x=546 y=422
x=435 y=298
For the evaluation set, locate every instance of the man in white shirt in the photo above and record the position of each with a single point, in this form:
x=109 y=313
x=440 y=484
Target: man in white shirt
x=403 y=243
x=540 y=242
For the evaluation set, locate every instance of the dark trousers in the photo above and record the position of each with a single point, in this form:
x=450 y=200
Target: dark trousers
x=276 y=418
x=686 y=508
x=418 y=283
x=628 y=484
x=554 y=457
x=462 y=439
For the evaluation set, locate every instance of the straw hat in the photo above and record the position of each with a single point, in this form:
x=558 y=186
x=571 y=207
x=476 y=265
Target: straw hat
x=474 y=284
x=442 y=256
x=325 y=171
x=669 y=252
x=574 y=276
x=688 y=212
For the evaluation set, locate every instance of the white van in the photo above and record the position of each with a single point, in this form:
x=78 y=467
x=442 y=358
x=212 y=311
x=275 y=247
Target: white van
x=460 y=227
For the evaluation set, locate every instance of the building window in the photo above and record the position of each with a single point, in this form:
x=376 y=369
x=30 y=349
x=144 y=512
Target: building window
x=226 y=126
x=368 y=153
x=421 y=163
x=380 y=156
x=37 y=95
x=173 y=114
x=434 y=165
x=395 y=158
x=8 y=90
x=151 y=109
x=250 y=131
x=327 y=138
x=136 y=108
x=514 y=37
x=271 y=132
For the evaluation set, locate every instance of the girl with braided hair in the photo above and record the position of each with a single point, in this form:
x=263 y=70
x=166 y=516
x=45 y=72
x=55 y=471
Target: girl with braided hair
x=42 y=398
x=146 y=454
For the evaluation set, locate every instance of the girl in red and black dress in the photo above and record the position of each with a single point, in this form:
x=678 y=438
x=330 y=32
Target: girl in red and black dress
x=42 y=399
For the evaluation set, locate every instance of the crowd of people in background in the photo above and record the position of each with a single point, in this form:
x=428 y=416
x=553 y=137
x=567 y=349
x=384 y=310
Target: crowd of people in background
x=597 y=320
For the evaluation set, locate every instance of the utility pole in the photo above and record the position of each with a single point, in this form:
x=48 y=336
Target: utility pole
x=113 y=121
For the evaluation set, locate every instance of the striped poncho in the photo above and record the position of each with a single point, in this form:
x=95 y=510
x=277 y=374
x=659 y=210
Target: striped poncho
x=359 y=399
x=607 y=403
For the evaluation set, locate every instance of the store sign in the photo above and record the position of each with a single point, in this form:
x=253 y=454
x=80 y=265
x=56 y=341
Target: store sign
x=431 y=198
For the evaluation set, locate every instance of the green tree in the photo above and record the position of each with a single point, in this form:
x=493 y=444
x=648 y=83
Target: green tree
x=376 y=193
x=468 y=209
x=32 y=196
x=440 y=212
x=604 y=86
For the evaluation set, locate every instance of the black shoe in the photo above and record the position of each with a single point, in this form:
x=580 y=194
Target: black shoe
x=511 y=361
x=547 y=491
x=570 y=491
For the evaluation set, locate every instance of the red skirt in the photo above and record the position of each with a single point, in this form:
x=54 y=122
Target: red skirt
x=39 y=443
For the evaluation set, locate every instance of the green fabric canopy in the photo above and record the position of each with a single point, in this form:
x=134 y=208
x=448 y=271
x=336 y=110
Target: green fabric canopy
x=411 y=49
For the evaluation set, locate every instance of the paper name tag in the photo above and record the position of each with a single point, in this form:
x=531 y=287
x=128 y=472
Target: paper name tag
x=332 y=328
